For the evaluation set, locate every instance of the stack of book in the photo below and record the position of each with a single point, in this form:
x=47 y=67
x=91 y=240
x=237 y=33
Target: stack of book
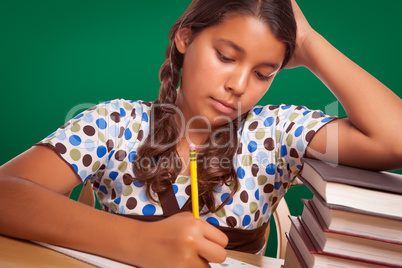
x=353 y=220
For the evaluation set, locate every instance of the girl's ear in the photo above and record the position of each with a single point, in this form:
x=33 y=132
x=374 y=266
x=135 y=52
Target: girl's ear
x=182 y=39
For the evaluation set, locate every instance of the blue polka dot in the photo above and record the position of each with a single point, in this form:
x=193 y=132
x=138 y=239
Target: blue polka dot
x=75 y=140
x=109 y=165
x=145 y=117
x=280 y=172
x=175 y=189
x=113 y=175
x=143 y=196
x=270 y=169
x=114 y=131
x=277 y=185
x=117 y=200
x=246 y=220
x=300 y=145
x=299 y=131
x=224 y=197
x=264 y=208
x=127 y=134
x=269 y=121
x=103 y=189
x=284 y=150
x=78 y=116
x=101 y=151
x=131 y=156
x=89 y=145
x=257 y=194
x=101 y=123
x=257 y=111
x=83 y=174
x=241 y=173
x=119 y=187
x=122 y=112
x=262 y=157
x=252 y=146
x=325 y=120
x=88 y=118
x=238 y=210
x=121 y=210
x=218 y=188
x=306 y=112
x=250 y=183
x=149 y=210
x=138 y=184
x=61 y=136
x=110 y=154
x=75 y=167
x=181 y=200
x=213 y=221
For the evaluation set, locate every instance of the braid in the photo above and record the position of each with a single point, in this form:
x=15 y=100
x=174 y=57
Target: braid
x=157 y=163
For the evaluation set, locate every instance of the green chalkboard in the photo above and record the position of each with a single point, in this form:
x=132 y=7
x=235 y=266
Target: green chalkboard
x=59 y=57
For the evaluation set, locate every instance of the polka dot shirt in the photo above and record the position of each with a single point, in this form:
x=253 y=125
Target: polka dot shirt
x=100 y=144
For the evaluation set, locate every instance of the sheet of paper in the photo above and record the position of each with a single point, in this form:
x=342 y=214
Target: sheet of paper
x=102 y=262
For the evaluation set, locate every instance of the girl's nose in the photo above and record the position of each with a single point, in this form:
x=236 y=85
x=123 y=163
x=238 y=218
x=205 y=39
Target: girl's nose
x=237 y=81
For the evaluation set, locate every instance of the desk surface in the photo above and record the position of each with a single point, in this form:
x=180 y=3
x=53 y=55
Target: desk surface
x=16 y=253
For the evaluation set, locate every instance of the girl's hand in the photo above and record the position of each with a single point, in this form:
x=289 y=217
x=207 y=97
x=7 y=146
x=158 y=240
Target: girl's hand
x=184 y=241
x=304 y=37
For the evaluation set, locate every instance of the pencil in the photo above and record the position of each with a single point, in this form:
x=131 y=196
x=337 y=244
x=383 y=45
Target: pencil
x=194 y=183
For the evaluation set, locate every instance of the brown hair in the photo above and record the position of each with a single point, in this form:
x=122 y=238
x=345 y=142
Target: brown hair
x=161 y=142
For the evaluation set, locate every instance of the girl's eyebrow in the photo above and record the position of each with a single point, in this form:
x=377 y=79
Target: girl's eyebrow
x=242 y=51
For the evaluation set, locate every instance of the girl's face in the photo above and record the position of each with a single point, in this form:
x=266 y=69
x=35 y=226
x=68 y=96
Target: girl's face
x=227 y=68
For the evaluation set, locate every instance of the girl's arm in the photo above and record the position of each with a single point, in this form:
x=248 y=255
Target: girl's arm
x=33 y=207
x=370 y=137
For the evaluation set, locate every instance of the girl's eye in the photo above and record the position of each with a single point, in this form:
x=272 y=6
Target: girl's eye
x=223 y=58
x=262 y=77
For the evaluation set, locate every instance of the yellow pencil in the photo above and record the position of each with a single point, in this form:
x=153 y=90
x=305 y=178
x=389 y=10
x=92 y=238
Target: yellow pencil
x=194 y=183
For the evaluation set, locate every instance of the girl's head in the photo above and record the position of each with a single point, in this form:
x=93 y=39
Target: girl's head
x=202 y=14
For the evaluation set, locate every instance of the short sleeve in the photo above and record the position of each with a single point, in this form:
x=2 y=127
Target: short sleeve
x=87 y=141
x=277 y=136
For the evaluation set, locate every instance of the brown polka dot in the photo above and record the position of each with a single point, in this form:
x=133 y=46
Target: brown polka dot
x=95 y=185
x=89 y=130
x=87 y=160
x=65 y=125
x=254 y=170
x=290 y=127
x=277 y=121
x=310 y=135
x=102 y=167
x=274 y=199
x=188 y=190
x=115 y=116
x=253 y=126
x=273 y=107
x=92 y=108
x=133 y=113
x=109 y=145
x=316 y=115
x=127 y=179
x=60 y=148
x=285 y=185
x=231 y=221
x=122 y=129
x=294 y=153
x=268 y=188
x=147 y=103
x=120 y=155
x=140 y=135
x=131 y=203
x=269 y=144
x=244 y=196
x=257 y=215
x=298 y=108
x=105 y=208
x=240 y=148
x=113 y=194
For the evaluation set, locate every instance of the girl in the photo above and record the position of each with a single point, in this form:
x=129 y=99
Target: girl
x=221 y=59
